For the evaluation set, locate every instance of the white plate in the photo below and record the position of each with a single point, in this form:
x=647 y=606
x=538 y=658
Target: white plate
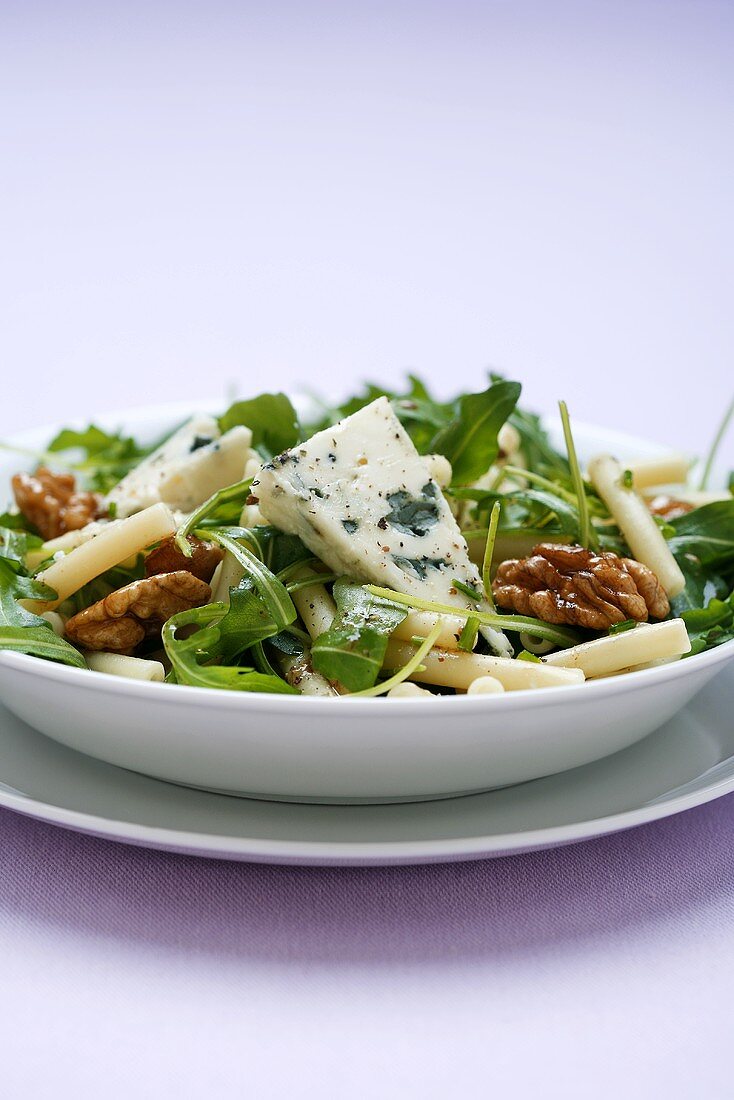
x=308 y=749
x=687 y=762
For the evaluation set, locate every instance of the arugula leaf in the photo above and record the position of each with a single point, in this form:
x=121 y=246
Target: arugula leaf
x=270 y=417
x=352 y=650
x=469 y=442
x=15 y=544
x=269 y=589
x=190 y=656
x=108 y=456
x=274 y=548
x=706 y=533
x=536 y=446
x=222 y=507
x=21 y=630
x=710 y=626
x=702 y=585
x=247 y=623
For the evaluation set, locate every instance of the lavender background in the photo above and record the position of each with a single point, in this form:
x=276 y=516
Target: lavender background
x=196 y=198
x=203 y=196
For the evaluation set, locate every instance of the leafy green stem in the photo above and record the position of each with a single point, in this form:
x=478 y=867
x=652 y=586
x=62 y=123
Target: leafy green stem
x=494 y=520
x=559 y=635
x=586 y=534
x=222 y=496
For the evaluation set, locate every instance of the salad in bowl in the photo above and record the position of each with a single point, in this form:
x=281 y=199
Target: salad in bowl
x=397 y=545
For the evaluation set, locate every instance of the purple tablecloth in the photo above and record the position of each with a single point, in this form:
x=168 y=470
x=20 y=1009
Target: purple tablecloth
x=175 y=974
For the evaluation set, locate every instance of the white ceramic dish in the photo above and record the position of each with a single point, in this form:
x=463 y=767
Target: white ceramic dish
x=307 y=749
x=688 y=761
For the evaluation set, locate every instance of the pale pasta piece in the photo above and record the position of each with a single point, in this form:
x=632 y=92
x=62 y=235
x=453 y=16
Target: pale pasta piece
x=537 y=646
x=62 y=544
x=485 y=685
x=408 y=690
x=55 y=621
x=230 y=573
x=111 y=546
x=419 y=624
x=314 y=604
x=643 y=535
x=132 y=668
x=300 y=674
x=251 y=515
x=453 y=668
x=642 y=645
x=696 y=497
x=671 y=469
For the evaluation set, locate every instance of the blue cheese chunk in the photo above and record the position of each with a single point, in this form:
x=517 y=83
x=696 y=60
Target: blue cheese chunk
x=194 y=463
x=363 y=500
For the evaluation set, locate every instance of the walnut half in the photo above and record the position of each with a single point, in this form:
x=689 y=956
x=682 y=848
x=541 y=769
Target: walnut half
x=167 y=558
x=122 y=620
x=569 y=584
x=52 y=504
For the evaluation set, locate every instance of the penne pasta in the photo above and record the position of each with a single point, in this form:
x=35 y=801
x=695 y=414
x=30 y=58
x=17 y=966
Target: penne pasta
x=642 y=645
x=671 y=469
x=447 y=668
x=419 y=624
x=643 y=535
x=132 y=668
x=112 y=545
x=314 y=604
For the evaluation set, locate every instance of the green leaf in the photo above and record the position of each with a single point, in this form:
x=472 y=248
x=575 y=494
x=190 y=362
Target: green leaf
x=222 y=508
x=15 y=544
x=707 y=533
x=352 y=650
x=269 y=589
x=710 y=626
x=247 y=622
x=469 y=442
x=24 y=632
x=536 y=446
x=270 y=417
x=107 y=456
x=276 y=549
x=190 y=657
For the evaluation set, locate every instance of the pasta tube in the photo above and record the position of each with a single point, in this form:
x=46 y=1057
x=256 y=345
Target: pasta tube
x=636 y=524
x=133 y=668
x=485 y=685
x=56 y=622
x=230 y=575
x=407 y=690
x=112 y=545
x=669 y=469
x=314 y=604
x=447 y=668
x=642 y=644
x=300 y=674
x=419 y=624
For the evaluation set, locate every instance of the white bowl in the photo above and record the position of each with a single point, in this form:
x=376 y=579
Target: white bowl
x=328 y=750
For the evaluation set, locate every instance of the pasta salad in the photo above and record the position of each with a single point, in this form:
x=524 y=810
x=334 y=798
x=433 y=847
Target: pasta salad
x=397 y=545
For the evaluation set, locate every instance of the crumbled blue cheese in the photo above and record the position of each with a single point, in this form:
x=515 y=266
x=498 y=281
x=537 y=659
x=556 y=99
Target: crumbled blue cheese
x=194 y=463
x=362 y=499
